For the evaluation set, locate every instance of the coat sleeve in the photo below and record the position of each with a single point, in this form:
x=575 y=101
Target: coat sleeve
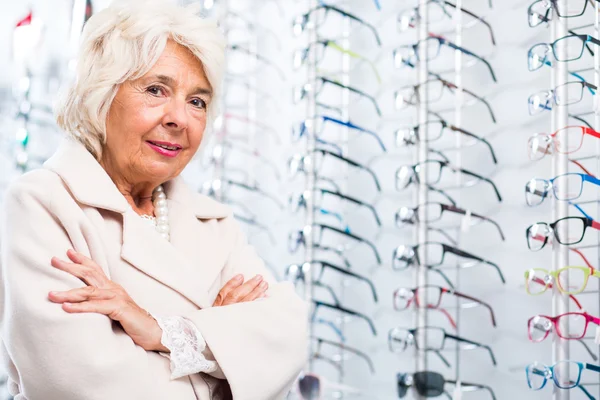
x=58 y=356
x=262 y=345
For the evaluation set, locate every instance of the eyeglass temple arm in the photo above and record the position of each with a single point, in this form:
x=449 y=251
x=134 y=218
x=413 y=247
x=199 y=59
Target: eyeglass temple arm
x=354 y=55
x=592 y=132
x=354 y=90
x=353 y=236
x=371 y=27
x=440 y=356
x=337 y=330
x=468 y=52
x=355 y=201
x=443 y=193
x=358 y=128
x=469 y=387
x=588 y=394
x=254 y=153
x=578 y=118
x=347 y=311
x=329 y=289
x=481 y=139
x=443 y=233
x=473 y=174
x=325 y=264
x=592 y=367
x=488 y=348
x=442 y=274
x=464 y=296
x=342 y=346
x=541 y=282
x=353 y=163
x=329 y=360
x=336 y=252
x=447 y=314
x=462 y=253
x=483 y=21
x=457 y=210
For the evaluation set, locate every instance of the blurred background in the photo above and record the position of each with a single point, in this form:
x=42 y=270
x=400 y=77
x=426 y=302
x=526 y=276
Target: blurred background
x=383 y=159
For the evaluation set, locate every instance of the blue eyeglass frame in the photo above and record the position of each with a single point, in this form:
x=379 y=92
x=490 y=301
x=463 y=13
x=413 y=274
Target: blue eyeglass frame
x=550 y=185
x=548 y=373
x=551 y=98
x=347 y=124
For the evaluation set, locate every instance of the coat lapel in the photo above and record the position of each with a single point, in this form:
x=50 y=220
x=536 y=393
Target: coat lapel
x=190 y=262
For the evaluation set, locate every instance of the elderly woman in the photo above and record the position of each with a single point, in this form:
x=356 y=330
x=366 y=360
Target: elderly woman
x=118 y=281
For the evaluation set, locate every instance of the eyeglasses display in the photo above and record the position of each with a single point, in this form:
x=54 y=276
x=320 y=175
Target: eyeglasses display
x=577 y=323
x=564 y=374
x=400 y=339
x=430 y=296
x=568 y=48
x=541 y=11
x=567 y=231
x=564 y=187
x=541 y=101
x=571 y=279
x=408 y=174
x=566 y=140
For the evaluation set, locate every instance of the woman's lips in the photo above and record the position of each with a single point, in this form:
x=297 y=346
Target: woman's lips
x=163 y=151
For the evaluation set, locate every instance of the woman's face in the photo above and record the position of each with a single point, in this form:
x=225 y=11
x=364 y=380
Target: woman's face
x=164 y=108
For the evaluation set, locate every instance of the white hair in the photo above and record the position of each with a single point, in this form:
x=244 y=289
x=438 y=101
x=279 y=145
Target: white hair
x=123 y=42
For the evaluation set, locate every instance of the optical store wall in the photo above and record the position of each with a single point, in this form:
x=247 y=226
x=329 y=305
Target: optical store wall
x=429 y=188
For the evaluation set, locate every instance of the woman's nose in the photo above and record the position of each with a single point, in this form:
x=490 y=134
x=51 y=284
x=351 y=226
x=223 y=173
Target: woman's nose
x=176 y=117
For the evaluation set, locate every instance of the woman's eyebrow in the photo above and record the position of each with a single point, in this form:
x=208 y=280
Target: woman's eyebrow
x=169 y=81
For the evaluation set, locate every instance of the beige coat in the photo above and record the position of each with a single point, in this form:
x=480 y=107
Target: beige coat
x=53 y=355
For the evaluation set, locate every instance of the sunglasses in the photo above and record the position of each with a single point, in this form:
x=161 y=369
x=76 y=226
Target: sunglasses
x=430 y=296
x=432 y=384
x=566 y=140
x=400 y=339
x=311 y=387
x=565 y=187
x=433 y=211
x=320 y=15
x=407 y=174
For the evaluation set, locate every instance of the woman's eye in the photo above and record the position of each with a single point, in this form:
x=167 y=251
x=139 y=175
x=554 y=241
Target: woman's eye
x=154 y=90
x=199 y=103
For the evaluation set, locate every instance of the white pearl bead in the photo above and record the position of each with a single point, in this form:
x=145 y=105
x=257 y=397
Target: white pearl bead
x=162 y=219
x=161 y=210
x=162 y=228
x=161 y=203
x=161 y=195
x=159 y=189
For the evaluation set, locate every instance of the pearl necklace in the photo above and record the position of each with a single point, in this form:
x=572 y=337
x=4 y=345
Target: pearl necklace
x=161 y=210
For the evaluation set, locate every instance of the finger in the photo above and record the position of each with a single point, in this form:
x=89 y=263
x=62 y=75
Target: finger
x=79 y=258
x=106 y=307
x=85 y=273
x=239 y=293
x=233 y=283
x=258 y=292
x=81 y=294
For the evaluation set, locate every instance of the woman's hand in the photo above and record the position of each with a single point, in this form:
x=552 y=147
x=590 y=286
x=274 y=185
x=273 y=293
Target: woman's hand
x=103 y=296
x=236 y=291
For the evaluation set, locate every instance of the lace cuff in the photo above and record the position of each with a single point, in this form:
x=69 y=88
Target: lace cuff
x=186 y=344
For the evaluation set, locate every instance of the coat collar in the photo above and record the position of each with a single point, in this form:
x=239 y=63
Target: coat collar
x=187 y=263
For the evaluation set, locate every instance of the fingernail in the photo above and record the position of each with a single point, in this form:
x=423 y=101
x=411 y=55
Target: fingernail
x=263 y=285
x=239 y=277
x=258 y=278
